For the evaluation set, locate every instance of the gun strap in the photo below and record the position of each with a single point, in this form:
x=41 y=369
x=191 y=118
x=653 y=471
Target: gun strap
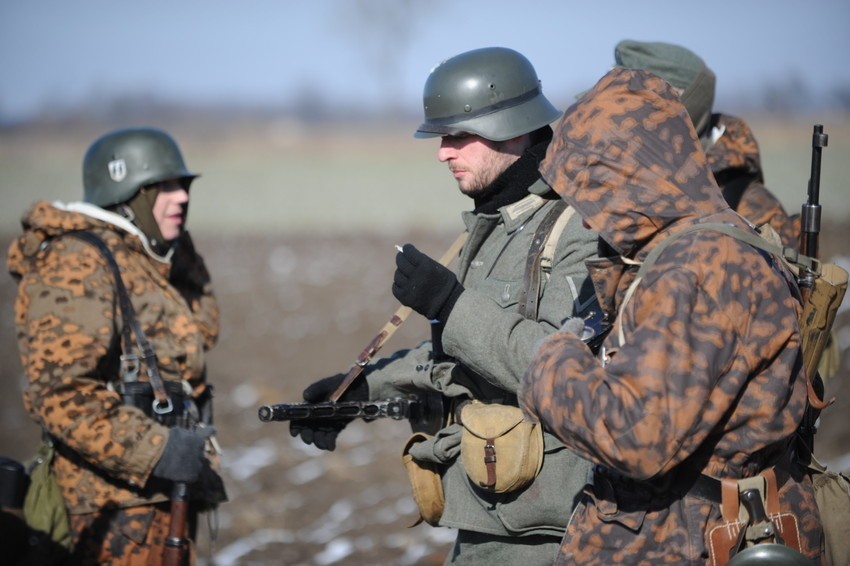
x=789 y=255
x=128 y=313
x=389 y=328
x=540 y=256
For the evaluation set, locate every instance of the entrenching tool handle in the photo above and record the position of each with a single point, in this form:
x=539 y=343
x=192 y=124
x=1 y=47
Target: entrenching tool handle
x=389 y=328
x=176 y=552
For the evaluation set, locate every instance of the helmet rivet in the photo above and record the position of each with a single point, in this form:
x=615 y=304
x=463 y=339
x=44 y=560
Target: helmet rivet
x=467 y=108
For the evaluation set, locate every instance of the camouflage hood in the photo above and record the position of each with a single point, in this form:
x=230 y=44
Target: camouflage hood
x=734 y=149
x=45 y=220
x=627 y=158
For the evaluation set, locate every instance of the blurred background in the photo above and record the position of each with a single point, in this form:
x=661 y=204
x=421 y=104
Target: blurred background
x=300 y=115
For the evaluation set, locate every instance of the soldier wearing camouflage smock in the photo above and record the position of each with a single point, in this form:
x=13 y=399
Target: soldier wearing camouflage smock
x=114 y=462
x=729 y=143
x=493 y=120
x=700 y=378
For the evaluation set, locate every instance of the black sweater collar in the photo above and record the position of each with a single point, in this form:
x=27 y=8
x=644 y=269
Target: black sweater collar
x=512 y=185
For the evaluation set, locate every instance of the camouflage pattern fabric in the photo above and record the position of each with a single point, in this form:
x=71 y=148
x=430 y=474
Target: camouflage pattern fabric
x=708 y=379
x=134 y=536
x=69 y=325
x=734 y=159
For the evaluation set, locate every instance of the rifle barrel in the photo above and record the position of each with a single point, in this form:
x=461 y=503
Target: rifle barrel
x=810 y=215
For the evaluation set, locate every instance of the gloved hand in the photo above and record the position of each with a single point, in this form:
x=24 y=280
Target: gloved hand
x=183 y=457
x=424 y=285
x=323 y=432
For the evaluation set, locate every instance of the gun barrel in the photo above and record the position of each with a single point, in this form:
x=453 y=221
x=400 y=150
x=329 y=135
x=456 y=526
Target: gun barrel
x=810 y=215
x=390 y=408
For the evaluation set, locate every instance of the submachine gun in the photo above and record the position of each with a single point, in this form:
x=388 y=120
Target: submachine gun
x=425 y=413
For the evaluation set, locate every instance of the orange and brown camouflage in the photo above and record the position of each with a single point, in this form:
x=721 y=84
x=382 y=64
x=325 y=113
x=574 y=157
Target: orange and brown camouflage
x=708 y=379
x=735 y=161
x=133 y=536
x=69 y=325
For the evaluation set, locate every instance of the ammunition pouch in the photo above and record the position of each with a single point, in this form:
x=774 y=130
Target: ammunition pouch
x=425 y=481
x=501 y=452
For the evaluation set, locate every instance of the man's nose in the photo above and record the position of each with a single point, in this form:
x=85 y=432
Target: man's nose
x=446 y=152
x=180 y=196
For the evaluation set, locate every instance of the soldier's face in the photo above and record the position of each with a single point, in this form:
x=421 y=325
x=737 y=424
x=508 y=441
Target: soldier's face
x=475 y=162
x=169 y=208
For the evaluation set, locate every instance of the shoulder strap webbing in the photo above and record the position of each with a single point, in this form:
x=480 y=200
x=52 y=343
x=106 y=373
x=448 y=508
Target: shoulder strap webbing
x=540 y=256
x=788 y=254
x=162 y=404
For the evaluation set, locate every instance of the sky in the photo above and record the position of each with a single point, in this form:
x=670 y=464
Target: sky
x=376 y=54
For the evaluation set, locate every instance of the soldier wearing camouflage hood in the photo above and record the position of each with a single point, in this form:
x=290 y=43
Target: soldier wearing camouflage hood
x=731 y=148
x=115 y=462
x=488 y=109
x=700 y=379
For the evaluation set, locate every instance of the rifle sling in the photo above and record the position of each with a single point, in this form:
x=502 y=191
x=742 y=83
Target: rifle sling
x=789 y=255
x=128 y=313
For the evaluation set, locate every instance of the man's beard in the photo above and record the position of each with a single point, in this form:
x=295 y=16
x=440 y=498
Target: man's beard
x=479 y=181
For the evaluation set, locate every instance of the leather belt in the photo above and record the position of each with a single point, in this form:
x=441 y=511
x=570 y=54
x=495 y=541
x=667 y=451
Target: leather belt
x=707 y=488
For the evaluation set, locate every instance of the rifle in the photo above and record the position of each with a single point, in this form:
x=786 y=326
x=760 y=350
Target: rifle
x=176 y=552
x=822 y=285
x=810 y=216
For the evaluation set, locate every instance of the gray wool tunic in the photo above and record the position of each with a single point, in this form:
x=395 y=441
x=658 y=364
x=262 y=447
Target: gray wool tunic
x=490 y=344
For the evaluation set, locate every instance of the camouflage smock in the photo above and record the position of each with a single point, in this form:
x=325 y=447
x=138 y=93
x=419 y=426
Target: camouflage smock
x=490 y=344
x=708 y=379
x=69 y=326
x=736 y=164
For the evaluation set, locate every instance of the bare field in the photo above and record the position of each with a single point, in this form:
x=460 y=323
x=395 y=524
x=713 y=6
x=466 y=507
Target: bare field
x=298 y=232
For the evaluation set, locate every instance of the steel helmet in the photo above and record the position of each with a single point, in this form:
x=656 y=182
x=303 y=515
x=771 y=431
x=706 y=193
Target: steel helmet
x=492 y=92
x=769 y=554
x=118 y=163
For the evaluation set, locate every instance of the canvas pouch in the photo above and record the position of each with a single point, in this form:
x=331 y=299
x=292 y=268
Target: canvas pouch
x=425 y=482
x=44 y=506
x=832 y=494
x=500 y=450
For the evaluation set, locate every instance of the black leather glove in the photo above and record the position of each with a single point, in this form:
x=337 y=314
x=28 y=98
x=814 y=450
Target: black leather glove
x=323 y=432
x=424 y=285
x=183 y=457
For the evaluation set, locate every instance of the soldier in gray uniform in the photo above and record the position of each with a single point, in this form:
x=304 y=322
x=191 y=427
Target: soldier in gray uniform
x=491 y=116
